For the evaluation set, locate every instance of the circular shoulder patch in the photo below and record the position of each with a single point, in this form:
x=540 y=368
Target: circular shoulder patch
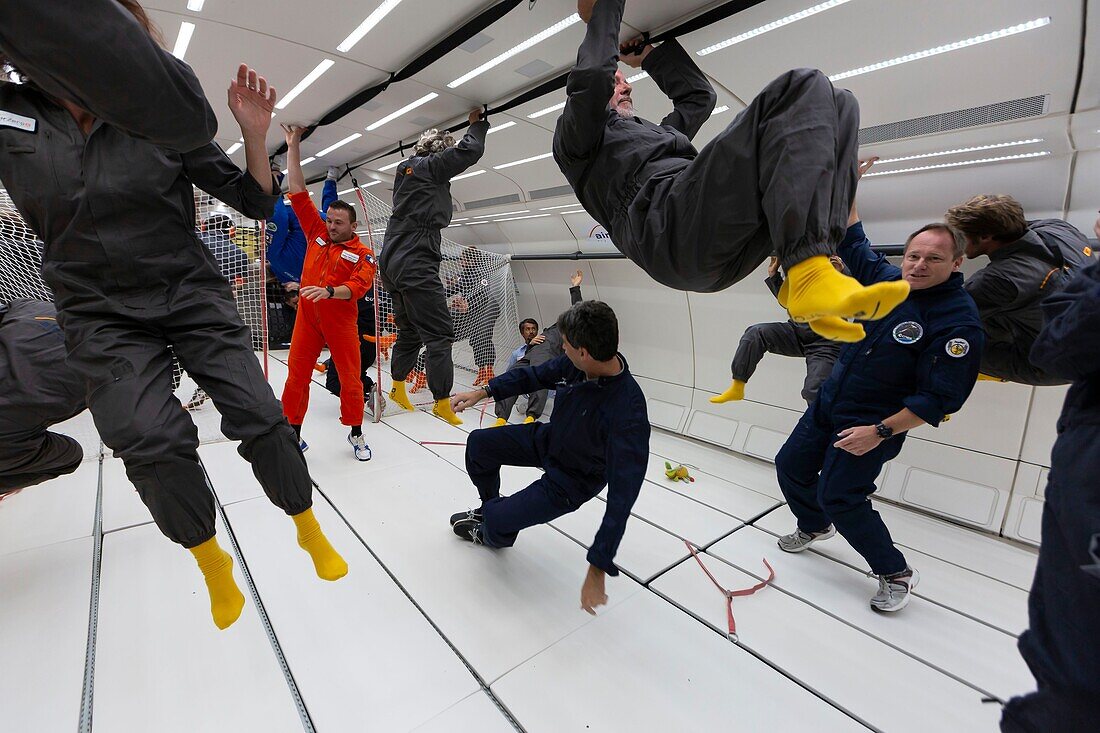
x=958 y=348
x=909 y=332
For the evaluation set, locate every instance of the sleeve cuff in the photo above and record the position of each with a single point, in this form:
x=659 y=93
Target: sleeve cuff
x=602 y=562
x=257 y=203
x=925 y=407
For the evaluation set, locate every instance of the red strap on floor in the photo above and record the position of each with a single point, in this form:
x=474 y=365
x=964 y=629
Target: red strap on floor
x=731 y=594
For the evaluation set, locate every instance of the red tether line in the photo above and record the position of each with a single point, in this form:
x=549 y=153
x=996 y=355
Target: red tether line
x=731 y=594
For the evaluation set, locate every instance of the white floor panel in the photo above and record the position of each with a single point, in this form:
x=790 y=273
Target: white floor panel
x=363 y=656
x=996 y=603
x=45 y=592
x=984 y=657
x=725 y=496
x=854 y=670
x=54 y=511
x=750 y=473
x=645 y=665
x=475 y=714
x=122 y=506
x=498 y=607
x=681 y=516
x=645 y=550
x=162 y=665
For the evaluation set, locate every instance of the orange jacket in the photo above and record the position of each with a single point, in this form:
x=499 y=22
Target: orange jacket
x=348 y=263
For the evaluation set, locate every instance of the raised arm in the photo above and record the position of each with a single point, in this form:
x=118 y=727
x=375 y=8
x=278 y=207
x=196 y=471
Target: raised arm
x=575 y=281
x=210 y=169
x=676 y=74
x=295 y=179
x=454 y=160
x=95 y=54
x=862 y=262
x=591 y=82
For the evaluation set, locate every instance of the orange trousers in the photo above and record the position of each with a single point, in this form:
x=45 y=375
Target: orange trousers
x=331 y=322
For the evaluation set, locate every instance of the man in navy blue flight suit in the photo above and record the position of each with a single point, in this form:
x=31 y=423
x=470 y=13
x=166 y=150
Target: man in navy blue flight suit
x=915 y=366
x=1062 y=643
x=597 y=436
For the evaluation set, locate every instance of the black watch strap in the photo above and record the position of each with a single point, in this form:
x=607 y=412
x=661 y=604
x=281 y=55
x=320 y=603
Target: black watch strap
x=884 y=431
x=331 y=291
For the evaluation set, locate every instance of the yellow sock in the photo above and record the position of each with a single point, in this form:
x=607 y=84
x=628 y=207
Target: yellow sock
x=528 y=420
x=837 y=329
x=814 y=290
x=987 y=378
x=326 y=560
x=226 y=600
x=443 y=409
x=501 y=422
x=397 y=394
x=736 y=391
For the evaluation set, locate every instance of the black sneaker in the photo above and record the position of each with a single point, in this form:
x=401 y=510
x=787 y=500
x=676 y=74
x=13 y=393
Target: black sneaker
x=469 y=530
x=474 y=514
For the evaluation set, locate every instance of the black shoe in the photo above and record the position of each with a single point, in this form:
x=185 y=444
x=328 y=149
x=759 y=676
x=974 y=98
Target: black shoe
x=469 y=530
x=474 y=514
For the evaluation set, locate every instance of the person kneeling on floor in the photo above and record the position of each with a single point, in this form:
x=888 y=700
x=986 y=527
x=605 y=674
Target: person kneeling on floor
x=598 y=435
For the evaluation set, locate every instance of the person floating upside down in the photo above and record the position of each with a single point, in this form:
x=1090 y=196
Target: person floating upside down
x=780 y=178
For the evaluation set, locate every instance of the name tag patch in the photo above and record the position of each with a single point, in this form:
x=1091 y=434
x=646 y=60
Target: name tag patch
x=958 y=348
x=19 y=122
x=909 y=332
x=349 y=256
x=321 y=241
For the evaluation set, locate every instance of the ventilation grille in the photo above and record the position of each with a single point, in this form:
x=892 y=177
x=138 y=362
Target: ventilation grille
x=549 y=193
x=496 y=201
x=1016 y=109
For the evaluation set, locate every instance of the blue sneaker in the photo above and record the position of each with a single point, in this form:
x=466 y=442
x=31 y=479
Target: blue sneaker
x=302 y=445
x=359 y=445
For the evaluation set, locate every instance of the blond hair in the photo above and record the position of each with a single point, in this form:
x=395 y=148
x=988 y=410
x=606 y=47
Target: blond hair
x=998 y=216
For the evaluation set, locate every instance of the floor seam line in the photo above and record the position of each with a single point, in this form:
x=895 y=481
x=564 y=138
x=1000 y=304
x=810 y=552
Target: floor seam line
x=84 y=722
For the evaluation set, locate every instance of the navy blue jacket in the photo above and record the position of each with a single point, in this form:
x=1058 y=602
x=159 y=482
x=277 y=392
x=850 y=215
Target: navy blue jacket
x=1069 y=347
x=599 y=434
x=923 y=356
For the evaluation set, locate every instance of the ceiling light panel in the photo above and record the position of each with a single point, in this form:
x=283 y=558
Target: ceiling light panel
x=183 y=40
x=521 y=162
x=389 y=167
x=981 y=161
x=404 y=110
x=564 y=206
x=793 y=18
x=467 y=175
x=498 y=128
x=195 y=5
x=548 y=110
x=502 y=213
x=300 y=87
x=367 y=25
x=961 y=151
x=957 y=45
x=340 y=144
x=520 y=48
x=234 y=148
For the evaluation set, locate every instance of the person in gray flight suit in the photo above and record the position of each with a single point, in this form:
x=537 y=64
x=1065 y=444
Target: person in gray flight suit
x=780 y=178
x=37 y=390
x=131 y=278
x=409 y=263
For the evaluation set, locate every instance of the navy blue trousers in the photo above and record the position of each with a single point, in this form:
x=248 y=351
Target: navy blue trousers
x=1062 y=643
x=551 y=496
x=824 y=485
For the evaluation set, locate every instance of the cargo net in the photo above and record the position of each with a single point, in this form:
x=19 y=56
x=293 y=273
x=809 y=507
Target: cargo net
x=234 y=241
x=481 y=296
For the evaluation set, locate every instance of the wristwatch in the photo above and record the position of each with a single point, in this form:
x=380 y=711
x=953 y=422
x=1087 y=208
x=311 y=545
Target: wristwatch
x=884 y=431
x=331 y=291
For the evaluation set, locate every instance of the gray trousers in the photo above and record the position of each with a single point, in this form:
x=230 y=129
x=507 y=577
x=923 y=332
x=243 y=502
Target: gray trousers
x=786 y=339
x=32 y=459
x=119 y=343
x=781 y=178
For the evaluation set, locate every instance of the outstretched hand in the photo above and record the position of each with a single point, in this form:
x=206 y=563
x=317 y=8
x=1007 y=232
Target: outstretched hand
x=462 y=400
x=773 y=266
x=475 y=116
x=634 y=60
x=578 y=277
x=293 y=134
x=251 y=100
x=592 y=592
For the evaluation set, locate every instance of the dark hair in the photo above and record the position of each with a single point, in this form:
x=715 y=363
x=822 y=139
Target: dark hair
x=998 y=216
x=344 y=206
x=532 y=321
x=218 y=223
x=958 y=241
x=591 y=325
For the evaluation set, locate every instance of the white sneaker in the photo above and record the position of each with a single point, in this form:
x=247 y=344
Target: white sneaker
x=798 y=540
x=894 y=590
x=359 y=445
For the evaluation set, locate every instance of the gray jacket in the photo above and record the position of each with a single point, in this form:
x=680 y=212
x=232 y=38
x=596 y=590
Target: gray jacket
x=1011 y=288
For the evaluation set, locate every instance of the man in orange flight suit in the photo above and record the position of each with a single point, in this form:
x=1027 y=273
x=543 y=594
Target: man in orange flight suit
x=338 y=271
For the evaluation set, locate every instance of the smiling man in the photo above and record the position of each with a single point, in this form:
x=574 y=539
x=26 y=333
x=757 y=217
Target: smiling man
x=915 y=367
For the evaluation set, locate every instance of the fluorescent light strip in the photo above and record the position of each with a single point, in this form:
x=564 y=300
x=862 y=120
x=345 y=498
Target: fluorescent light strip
x=521 y=162
x=308 y=160
x=340 y=144
x=467 y=175
x=234 y=148
x=390 y=167
x=801 y=15
x=578 y=211
x=548 y=110
x=981 y=161
x=183 y=40
x=505 y=126
x=345 y=191
x=465 y=218
x=352 y=190
x=503 y=213
x=407 y=108
x=637 y=77
x=195 y=5
x=300 y=87
x=720 y=110
x=367 y=25
x=535 y=39
x=959 y=151
x=972 y=41
x=565 y=206
x=518 y=218
x=372 y=183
